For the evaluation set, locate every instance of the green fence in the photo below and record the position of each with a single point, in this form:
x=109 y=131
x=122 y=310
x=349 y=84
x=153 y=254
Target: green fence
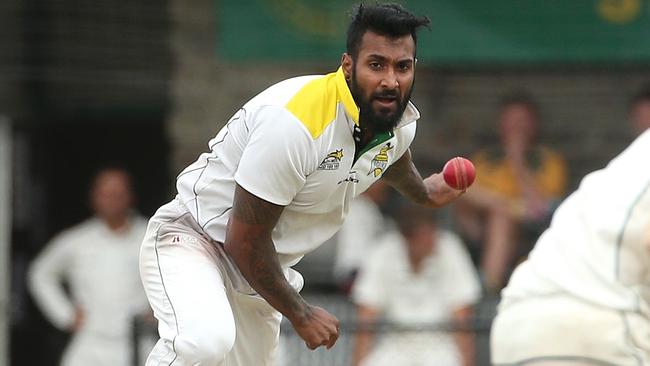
x=465 y=31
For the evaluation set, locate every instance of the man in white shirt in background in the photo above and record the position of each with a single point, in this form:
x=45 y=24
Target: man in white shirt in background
x=423 y=278
x=363 y=226
x=98 y=259
x=583 y=295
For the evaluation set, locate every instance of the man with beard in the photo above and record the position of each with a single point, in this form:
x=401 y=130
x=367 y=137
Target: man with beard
x=277 y=182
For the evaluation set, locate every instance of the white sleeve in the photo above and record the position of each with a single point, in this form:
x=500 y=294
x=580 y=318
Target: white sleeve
x=45 y=282
x=405 y=136
x=464 y=287
x=369 y=288
x=277 y=157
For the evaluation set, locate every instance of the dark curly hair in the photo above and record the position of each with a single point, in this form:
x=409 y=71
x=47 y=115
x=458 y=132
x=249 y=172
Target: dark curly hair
x=520 y=97
x=390 y=20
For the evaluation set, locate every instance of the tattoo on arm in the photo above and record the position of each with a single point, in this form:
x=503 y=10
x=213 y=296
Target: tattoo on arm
x=249 y=243
x=405 y=178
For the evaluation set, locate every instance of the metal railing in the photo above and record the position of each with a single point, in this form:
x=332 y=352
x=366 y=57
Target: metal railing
x=293 y=352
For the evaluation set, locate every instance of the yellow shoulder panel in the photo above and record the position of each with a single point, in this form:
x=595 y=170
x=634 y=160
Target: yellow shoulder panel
x=315 y=104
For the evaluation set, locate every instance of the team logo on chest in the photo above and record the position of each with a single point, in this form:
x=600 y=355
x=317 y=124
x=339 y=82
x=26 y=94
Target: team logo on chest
x=380 y=161
x=332 y=160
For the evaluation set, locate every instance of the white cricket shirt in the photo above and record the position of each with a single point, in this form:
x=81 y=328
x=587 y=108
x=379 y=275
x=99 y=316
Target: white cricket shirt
x=447 y=282
x=101 y=268
x=292 y=145
x=598 y=244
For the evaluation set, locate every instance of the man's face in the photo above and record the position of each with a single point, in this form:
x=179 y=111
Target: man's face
x=518 y=124
x=111 y=195
x=641 y=116
x=381 y=78
x=421 y=242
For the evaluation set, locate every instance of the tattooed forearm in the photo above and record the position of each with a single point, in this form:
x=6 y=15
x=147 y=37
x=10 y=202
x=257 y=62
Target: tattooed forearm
x=270 y=283
x=405 y=178
x=249 y=243
x=431 y=191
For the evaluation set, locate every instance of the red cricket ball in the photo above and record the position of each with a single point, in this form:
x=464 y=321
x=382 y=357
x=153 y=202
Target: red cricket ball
x=459 y=173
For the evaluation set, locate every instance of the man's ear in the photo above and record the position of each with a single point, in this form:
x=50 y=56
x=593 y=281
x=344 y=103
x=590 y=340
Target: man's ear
x=346 y=65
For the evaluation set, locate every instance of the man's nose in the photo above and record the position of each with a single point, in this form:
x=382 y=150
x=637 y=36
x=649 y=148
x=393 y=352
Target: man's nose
x=389 y=81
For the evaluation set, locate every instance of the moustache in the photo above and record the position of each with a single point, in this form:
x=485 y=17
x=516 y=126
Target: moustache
x=387 y=95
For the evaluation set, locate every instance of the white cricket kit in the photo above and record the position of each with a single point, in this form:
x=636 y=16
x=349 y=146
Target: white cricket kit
x=101 y=268
x=595 y=254
x=291 y=145
x=447 y=282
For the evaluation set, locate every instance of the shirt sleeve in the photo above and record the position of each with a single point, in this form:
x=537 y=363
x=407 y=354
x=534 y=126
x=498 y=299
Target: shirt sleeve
x=277 y=157
x=464 y=284
x=45 y=282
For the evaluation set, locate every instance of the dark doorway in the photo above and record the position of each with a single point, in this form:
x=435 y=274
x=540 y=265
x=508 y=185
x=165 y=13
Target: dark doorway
x=53 y=165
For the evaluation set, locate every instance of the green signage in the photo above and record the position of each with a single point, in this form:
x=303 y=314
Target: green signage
x=462 y=31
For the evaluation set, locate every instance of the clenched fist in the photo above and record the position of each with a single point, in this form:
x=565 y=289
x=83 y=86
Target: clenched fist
x=317 y=327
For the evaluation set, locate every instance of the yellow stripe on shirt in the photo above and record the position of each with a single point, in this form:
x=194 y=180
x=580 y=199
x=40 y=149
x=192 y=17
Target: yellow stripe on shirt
x=315 y=104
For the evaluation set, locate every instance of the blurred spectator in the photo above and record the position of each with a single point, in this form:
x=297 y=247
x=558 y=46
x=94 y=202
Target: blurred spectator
x=98 y=260
x=517 y=185
x=363 y=225
x=421 y=278
x=640 y=110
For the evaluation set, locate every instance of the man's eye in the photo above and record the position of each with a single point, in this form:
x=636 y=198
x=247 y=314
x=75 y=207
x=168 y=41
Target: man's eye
x=404 y=67
x=375 y=65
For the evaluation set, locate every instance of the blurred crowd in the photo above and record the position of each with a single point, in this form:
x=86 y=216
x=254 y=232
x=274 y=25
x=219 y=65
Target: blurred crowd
x=401 y=266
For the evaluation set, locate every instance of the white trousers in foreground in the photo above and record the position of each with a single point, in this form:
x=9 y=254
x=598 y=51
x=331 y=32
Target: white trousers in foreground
x=207 y=316
x=559 y=330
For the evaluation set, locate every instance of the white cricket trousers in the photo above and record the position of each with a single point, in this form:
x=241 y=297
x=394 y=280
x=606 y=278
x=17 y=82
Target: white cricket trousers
x=206 y=315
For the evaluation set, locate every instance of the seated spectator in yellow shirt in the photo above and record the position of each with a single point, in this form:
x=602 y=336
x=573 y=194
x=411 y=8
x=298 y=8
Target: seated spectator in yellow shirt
x=517 y=186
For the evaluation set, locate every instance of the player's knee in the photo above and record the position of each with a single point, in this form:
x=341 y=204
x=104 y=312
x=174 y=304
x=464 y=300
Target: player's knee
x=204 y=348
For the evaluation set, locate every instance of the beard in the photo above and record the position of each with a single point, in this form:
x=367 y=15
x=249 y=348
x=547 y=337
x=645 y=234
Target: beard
x=381 y=119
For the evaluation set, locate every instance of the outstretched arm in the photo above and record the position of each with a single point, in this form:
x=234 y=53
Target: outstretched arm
x=248 y=242
x=431 y=191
